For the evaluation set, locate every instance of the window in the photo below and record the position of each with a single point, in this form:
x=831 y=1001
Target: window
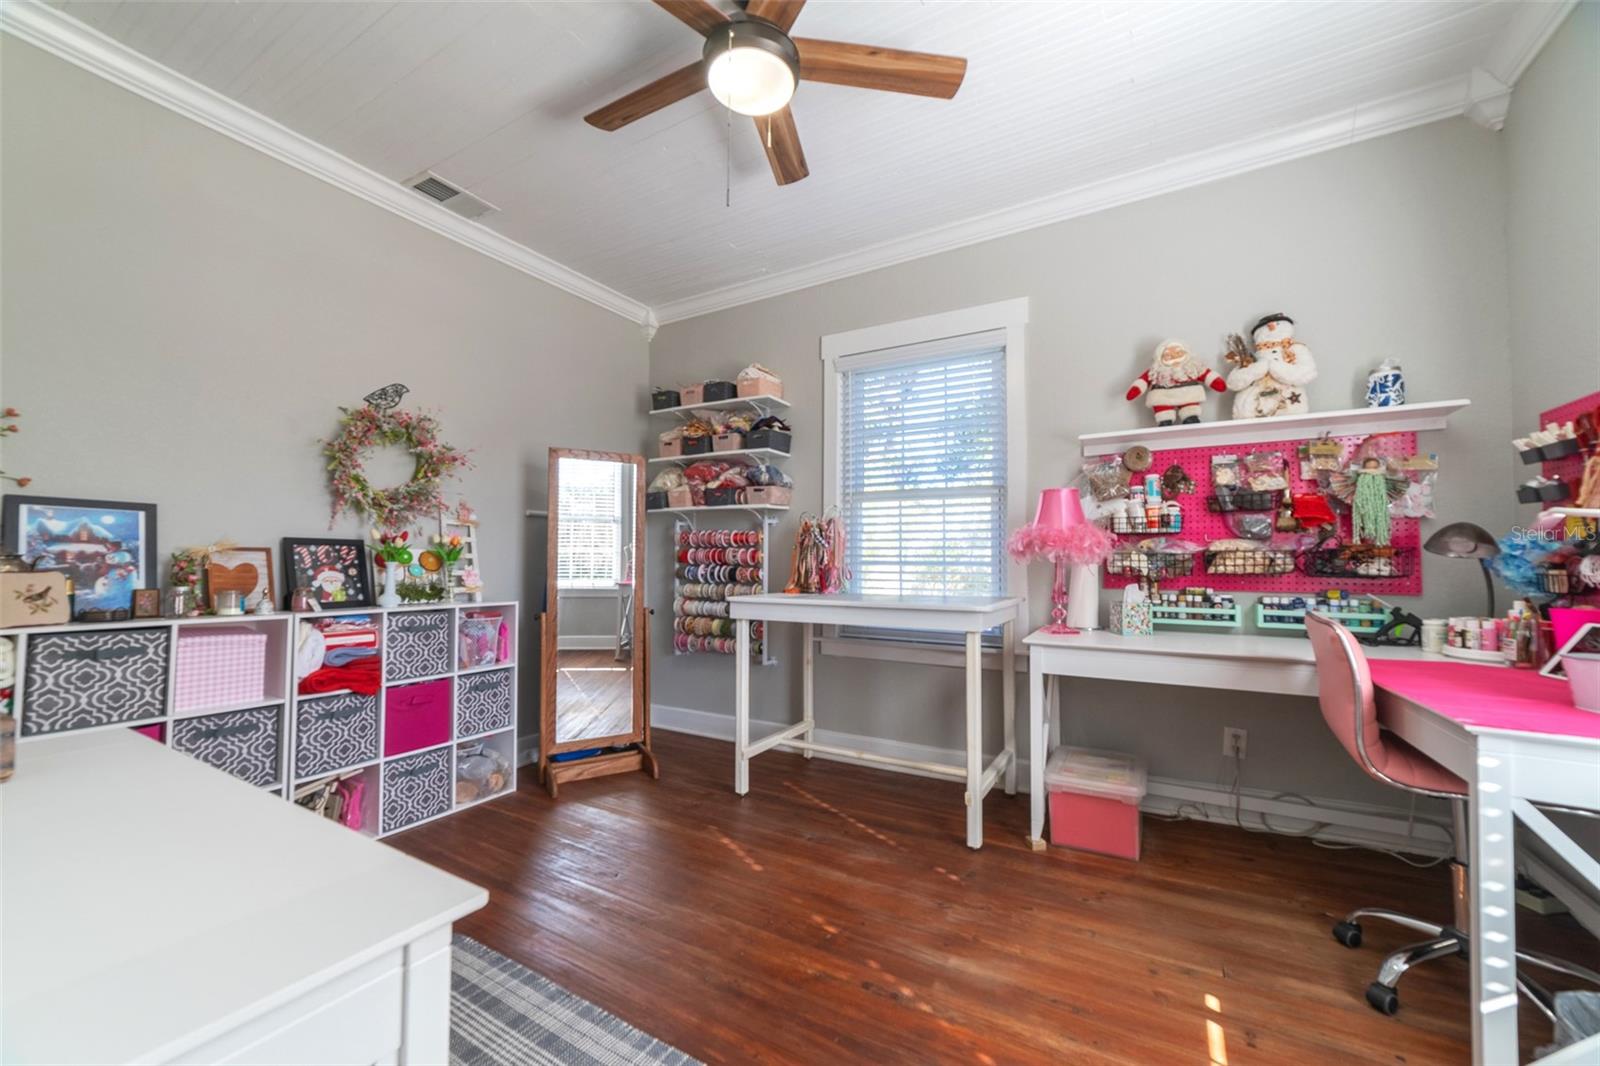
x=922 y=464
x=926 y=450
x=589 y=555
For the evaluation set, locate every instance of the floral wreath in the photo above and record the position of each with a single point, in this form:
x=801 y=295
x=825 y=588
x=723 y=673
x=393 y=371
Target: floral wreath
x=365 y=428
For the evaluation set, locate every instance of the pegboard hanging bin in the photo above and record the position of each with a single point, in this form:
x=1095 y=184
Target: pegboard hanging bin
x=1286 y=618
x=1199 y=617
x=1152 y=565
x=1250 y=562
x=1358 y=562
x=1227 y=502
x=1124 y=524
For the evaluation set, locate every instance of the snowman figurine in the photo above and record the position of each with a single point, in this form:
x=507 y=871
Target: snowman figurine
x=1274 y=381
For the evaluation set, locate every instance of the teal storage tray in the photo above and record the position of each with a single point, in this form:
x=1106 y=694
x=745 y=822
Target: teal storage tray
x=1354 y=621
x=1200 y=617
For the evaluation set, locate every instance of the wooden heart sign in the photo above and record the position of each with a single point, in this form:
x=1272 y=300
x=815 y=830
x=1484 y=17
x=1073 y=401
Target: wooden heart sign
x=245 y=571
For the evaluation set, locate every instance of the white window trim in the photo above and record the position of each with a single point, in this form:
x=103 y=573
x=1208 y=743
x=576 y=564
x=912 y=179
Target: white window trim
x=837 y=349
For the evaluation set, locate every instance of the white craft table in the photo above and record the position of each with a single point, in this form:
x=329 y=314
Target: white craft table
x=1507 y=770
x=968 y=615
x=155 y=910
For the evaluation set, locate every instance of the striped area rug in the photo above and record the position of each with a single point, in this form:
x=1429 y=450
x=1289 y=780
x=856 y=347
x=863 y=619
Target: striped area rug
x=502 y=1013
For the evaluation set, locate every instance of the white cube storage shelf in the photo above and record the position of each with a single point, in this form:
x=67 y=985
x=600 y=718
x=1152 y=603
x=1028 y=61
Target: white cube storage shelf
x=120 y=675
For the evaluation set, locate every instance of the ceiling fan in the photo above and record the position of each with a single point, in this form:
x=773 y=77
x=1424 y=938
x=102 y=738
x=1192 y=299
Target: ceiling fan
x=752 y=65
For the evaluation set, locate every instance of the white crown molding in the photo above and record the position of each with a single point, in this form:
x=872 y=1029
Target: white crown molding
x=1488 y=99
x=1531 y=27
x=67 y=38
x=1442 y=100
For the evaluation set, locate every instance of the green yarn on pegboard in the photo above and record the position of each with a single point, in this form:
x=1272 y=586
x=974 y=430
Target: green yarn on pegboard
x=1369 y=511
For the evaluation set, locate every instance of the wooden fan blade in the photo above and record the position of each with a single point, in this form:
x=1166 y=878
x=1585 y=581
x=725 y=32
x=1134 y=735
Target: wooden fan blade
x=784 y=153
x=781 y=13
x=698 y=15
x=678 y=85
x=869 y=67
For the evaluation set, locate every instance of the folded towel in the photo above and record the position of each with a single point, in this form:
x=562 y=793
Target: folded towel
x=346 y=656
x=364 y=676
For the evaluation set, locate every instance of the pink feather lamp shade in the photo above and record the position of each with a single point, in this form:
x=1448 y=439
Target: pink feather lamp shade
x=1061 y=534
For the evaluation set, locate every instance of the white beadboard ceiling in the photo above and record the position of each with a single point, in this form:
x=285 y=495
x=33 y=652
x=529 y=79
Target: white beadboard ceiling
x=1066 y=107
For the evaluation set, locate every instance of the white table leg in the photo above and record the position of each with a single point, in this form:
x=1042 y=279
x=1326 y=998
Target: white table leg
x=1052 y=701
x=1036 y=752
x=1494 y=906
x=974 y=741
x=741 y=704
x=808 y=691
x=1008 y=700
x=425 y=1014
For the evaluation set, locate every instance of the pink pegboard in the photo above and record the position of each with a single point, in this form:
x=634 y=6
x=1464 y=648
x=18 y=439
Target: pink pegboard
x=1203 y=526
x=1569 y=469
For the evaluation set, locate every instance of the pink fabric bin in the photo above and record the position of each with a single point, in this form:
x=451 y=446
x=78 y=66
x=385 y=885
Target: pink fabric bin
x=1094 y=800
x=219 y=666
x=156 y=732
x=416 y=716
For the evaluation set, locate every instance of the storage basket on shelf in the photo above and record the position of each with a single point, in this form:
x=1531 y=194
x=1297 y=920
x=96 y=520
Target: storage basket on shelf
x=219 y=666
x=79 y=680
x=731 y=441
x=416 y=716
x=1123 y=523
x=1094 y=800
x=247 y=744
x=775 y=495
x=718 y=391
x=333 y=732
x=415 y=787
x=692 y=395
x=417 y=644
x=484 y=703
x=777 y=439
x=661 y=399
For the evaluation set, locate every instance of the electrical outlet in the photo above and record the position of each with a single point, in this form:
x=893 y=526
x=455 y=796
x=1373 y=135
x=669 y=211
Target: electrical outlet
x=1233 y=741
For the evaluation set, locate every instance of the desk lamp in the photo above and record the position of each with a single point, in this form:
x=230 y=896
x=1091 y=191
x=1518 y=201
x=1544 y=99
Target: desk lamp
x=1463 y=540
x=1061 y=534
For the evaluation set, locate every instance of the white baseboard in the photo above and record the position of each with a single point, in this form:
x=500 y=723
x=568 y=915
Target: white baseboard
x=1362 y=824
x=586 y=642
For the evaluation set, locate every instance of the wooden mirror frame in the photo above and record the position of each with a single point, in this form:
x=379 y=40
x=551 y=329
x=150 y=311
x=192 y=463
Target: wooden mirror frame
x=638 y=757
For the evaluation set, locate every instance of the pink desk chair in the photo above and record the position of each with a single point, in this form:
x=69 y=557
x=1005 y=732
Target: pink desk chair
x=1344 y=688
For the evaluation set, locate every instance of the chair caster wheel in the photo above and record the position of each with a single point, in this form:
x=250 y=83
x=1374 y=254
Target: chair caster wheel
x=1348 y=934
x=1382 y=998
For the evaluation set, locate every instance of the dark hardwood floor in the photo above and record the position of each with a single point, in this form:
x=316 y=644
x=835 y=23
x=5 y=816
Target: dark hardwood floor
x=834 y=915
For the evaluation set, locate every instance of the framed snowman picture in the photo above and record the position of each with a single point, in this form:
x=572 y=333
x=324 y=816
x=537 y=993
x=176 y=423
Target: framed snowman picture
x=336 y=571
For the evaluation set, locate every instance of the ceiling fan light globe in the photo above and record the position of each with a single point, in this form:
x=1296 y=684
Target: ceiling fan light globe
x=750 y=81
x=752 y=67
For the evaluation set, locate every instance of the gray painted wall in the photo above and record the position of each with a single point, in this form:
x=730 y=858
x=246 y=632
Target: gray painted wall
x=1391 y=247
x=1552 y=142
x=183 y=316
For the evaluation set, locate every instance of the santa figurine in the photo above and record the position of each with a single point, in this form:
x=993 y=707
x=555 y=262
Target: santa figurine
x=1272 y=380
x=1175 y=385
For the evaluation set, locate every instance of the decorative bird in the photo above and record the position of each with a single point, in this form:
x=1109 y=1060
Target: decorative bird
x=387 y=398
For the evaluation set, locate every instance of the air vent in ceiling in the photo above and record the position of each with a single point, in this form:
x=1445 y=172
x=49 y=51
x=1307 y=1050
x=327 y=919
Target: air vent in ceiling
x=462 y=203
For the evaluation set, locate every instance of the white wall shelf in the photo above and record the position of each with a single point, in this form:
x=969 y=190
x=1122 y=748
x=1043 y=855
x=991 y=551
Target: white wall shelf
x=687 y=460
x=1407 y=418
x=738 y=403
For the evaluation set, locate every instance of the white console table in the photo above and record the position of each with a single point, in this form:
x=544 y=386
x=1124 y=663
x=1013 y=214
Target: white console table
x=153 y=910
x=970 y=616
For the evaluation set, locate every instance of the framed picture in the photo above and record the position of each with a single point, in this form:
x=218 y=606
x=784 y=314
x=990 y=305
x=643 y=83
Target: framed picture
x=108 y=549
x=147 y=603
x=247 y=571
x=335 y=570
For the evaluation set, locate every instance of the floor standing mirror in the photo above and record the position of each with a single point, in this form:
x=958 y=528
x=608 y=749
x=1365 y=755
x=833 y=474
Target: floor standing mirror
x=595 y=710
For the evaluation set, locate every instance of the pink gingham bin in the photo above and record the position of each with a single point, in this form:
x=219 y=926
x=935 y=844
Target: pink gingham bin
x=223 y=666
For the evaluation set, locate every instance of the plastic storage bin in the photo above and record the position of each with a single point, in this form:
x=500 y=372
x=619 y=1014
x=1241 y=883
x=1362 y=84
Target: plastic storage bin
x=1094 y=800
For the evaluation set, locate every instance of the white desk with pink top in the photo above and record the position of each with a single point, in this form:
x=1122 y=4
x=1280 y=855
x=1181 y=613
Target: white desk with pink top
x=1514 y=737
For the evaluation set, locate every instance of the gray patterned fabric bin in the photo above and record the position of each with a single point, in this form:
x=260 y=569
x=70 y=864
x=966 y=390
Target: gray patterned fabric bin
x=483 y=703
x=245 y=744
x=415 y=787
x=416 y=644
x=333 y=732
x=78 y=680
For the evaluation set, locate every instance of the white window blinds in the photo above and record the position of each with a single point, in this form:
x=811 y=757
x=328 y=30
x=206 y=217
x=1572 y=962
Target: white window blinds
x=589 y=524
x=922 y=467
